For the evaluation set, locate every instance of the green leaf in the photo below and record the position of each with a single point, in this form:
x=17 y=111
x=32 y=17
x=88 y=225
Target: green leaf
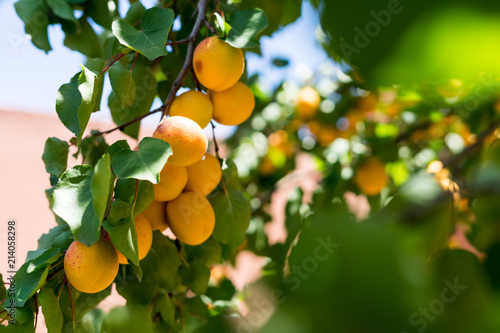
x=92 y=320
x=196 y=305
x=96 y=65
x=120 y=210
x=99 y=11
x=146 y=163
x=92 y=148
x=209 y=252
x=150 y=41
x=129 y=318
x=126 y=190
x=232 y=217
x=135 y=12
x=116 y=147
x=102 y=185
x=62 y=9
x=55 y=156
x=35 y=15
x=73 y=202
x=166 y=308
x=51 y=239
x=123 y=84
x=195 y=277
x=41 y=258
x=3 y=290
x=51 y=310
x=28 y=283
x=84 y=40
x=123 y=234
x=75 y=101
x=68 y=100
x=146 y=88
x=162 y=262
x=88 y=85
x=245 y=26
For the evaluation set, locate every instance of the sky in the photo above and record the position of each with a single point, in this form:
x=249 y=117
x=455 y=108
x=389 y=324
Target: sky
x=30 y=78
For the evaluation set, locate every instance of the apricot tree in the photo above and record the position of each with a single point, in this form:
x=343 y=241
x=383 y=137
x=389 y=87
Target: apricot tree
x=391 y=225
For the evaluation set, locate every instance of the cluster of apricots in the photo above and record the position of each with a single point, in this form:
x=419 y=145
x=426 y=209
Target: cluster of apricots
x=189 y=174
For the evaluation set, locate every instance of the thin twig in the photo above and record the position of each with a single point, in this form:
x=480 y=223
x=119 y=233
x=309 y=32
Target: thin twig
x=36 y=311
x=154 y=301
x=135 y=59
x=188 y=63
x=122 y=126
x=216 y=147
x=202 y=5
x=179 y=42
x=62 y=287
x=453 y=161
x=72 y=305
x=210 y=27
x=112 y=62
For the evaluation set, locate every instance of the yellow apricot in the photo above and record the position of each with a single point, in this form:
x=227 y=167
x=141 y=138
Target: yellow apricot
x=204 y=176
x=234 y=105
x=173 y=178
x=191 y=218
x=308 y=102
x=187 y=139
x=194 y=105
x=217 y=64
x=91 y=269
x=144 y=238
x=370 y=177
x=156 y=214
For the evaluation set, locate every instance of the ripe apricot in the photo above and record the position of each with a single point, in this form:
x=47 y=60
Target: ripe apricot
x=144 y=238
x=173 y=178
x=308 y=102
x=217 y=64
x=91 y=269
x=191 y=218
x=234 y=105
x=204 y=176
x=187 y=139
x=194 y=105
x=370 y=176
x=156 y=214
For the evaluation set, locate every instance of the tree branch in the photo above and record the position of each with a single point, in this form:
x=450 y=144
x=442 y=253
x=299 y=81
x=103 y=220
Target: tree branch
x=122 y=126
x=454 y=160
x=188 y=63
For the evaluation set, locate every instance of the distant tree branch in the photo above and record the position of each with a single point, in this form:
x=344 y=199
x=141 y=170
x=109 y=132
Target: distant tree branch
x=453 y=161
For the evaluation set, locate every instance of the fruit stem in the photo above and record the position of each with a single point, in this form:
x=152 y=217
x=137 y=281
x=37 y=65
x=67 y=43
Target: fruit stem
x=188 y=63
x=133 y=64
x=196 y=81
x=216 y=147
x=112 y=62
x=72 y=306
